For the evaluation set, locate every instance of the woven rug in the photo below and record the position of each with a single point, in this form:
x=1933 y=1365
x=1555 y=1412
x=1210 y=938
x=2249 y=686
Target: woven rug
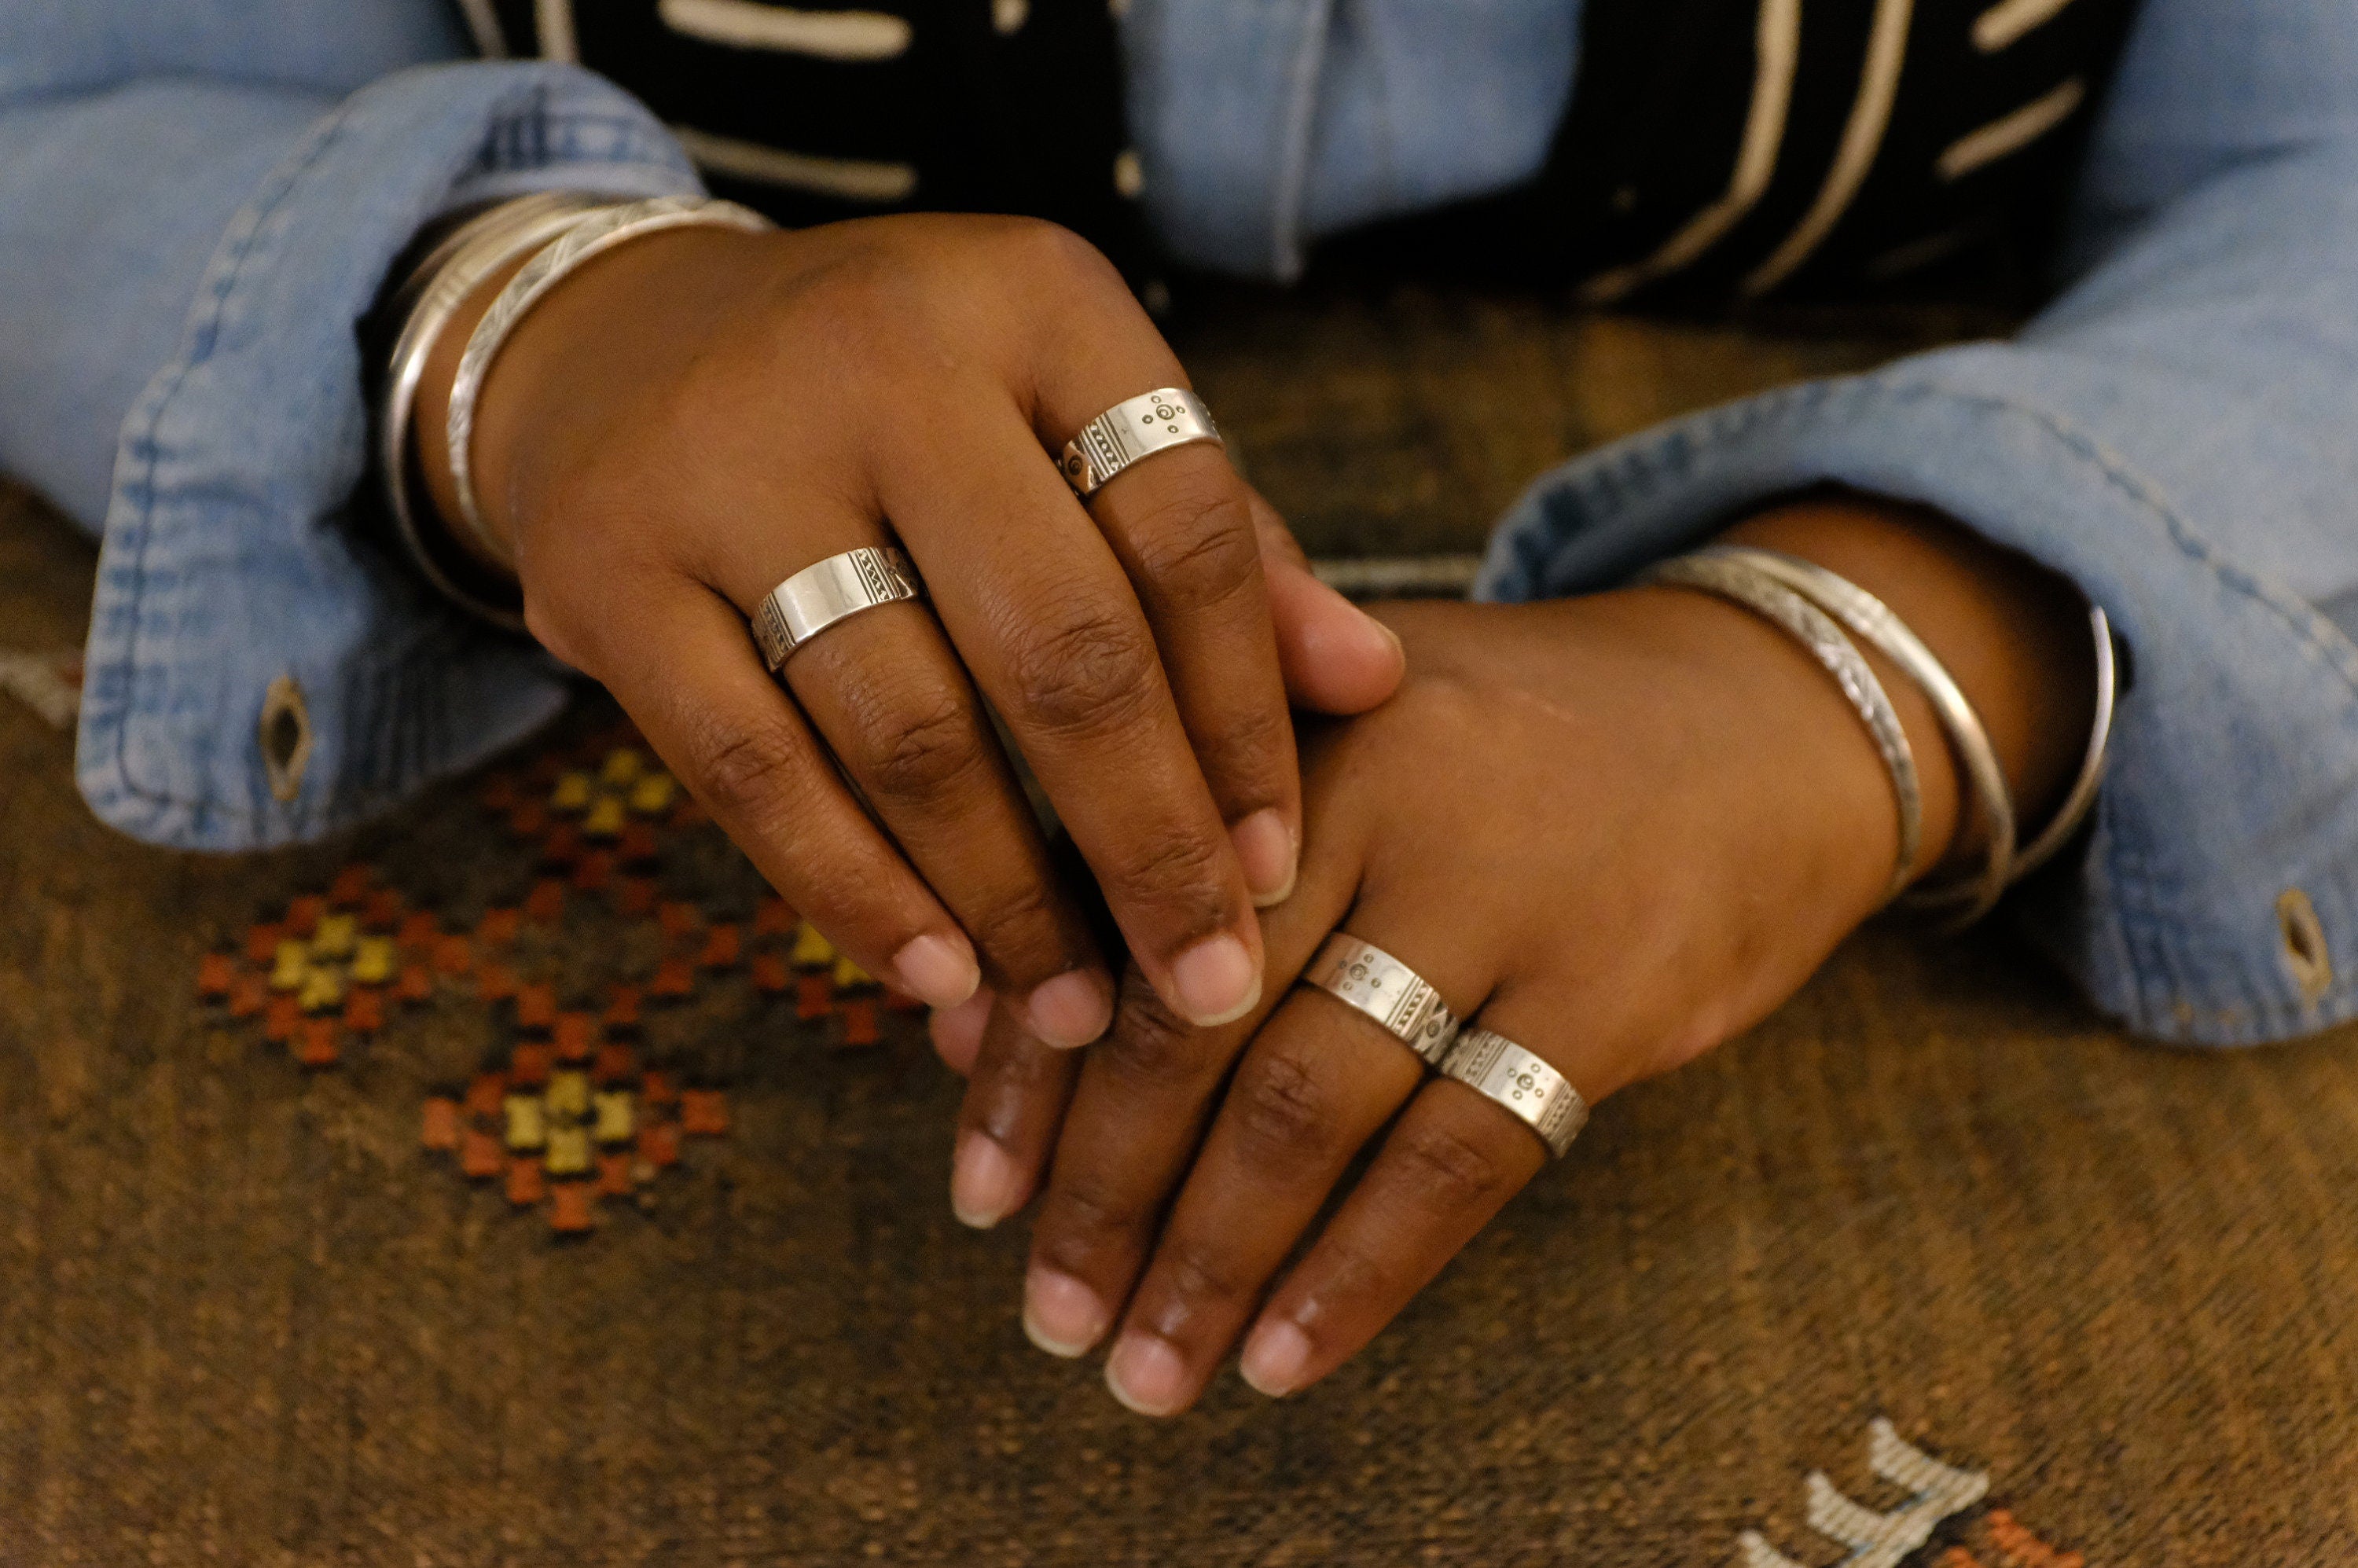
x=1933 y=1268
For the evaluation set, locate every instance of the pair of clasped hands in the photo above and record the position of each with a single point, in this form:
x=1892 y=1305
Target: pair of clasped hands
x=1615 y=828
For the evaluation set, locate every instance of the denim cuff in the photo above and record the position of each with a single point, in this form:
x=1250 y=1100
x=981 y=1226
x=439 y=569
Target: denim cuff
x=2215 y=897
x=233 y=578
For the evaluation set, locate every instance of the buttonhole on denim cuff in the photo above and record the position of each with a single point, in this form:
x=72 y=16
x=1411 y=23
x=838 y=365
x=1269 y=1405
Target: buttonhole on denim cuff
x=286 y=735
x=2304 y=945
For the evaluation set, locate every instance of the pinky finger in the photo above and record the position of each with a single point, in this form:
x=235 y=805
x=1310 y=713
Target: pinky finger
x=1451 y=1163
x=743 y=750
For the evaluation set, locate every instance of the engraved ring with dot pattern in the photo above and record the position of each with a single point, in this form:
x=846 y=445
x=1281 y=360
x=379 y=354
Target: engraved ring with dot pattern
x=1148 y=424
x=819 y=596
x=1495 y=1067
x=1387 y=991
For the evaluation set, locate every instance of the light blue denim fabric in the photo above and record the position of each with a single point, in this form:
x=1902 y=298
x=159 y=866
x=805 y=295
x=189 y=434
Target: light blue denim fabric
x=198 y=200
x=194 y=212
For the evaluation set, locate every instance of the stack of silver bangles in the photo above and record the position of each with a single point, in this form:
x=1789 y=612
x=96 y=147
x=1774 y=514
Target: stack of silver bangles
x=1366 y=977
x=559 y=233
x=1815 y=606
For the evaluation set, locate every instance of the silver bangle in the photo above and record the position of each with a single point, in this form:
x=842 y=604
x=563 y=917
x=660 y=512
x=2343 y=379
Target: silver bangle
x=1870 y=618
x=1366 y=977
x=425 y=303
x=2083 y=796
x=827 y=591
x=591 y=234
x=1751 y=586
x=1495 y=1067
x=1133 y=429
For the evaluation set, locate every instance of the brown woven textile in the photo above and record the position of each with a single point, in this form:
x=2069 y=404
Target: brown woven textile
x=244 y=1318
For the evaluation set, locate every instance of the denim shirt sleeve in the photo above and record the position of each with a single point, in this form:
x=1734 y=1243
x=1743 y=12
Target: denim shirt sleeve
x=2177 y=434
x=186 y=256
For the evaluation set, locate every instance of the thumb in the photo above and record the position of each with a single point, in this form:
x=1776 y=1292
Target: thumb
x=1336 y=658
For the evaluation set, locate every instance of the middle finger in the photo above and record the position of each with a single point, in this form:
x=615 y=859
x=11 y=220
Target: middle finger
x=1039 y=606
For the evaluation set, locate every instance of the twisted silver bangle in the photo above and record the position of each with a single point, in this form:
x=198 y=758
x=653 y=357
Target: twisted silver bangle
x=1749 y=585
x=424 y=304
x=590 y=235
x=1870 y=617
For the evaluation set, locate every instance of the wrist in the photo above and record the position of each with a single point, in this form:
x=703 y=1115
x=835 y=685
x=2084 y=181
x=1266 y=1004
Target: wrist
x=603 y=334
x=1794 y=768
x=2012 y=635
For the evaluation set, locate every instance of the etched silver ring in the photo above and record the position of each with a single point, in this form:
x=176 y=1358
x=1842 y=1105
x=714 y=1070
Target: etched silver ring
x=819 y=596
x=1387 y=991
x=1495 y=1067
x=1145 y=425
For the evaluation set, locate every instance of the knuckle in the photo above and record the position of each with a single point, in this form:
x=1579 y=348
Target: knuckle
x=1034 y=253
x=1284 y=1115
x=1148 y=1046
x=918 y=750
x=1440 y=1170
x=1083 y=1219
x=1198 y=1272
x=1017 y=927
x=1252 y=744
x=1174 y=870
x=1351 y=1275
x=750 y=771
x=1081 y=669
x=1195 y=546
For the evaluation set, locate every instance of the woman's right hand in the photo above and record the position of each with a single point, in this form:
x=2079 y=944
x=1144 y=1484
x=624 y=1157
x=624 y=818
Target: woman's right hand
x=687 y=421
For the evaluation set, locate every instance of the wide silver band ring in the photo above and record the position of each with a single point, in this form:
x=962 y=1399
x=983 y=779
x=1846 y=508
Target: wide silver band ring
x=819 y=596
x=1495 y=1067
x=1145 y=425
x=1387 y=991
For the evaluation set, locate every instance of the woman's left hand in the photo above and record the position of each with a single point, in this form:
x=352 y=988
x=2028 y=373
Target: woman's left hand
x=1616 y=829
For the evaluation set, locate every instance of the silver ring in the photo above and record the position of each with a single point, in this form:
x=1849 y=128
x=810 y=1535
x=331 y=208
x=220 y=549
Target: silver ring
x=1495 y=1067
x=1126 y=432
x=819 y=596
x=1387 y=991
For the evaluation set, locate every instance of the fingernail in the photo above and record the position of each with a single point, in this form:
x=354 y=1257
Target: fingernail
x=1275 y=1356
x=982 y=1181
x=1071 y=1010
x=936 y=970
x=957 y=1031
x=1061 y=1315
x=1146 y=1374
x=1266 y=849
x=1216 y=981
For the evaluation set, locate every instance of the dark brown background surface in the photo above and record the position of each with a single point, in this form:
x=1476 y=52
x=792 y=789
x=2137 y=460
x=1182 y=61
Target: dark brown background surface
x=243 y=1318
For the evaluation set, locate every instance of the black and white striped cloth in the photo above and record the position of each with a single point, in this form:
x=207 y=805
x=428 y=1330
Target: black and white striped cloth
x=1714 y=149
x=812 y=113
x=1721 y=147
